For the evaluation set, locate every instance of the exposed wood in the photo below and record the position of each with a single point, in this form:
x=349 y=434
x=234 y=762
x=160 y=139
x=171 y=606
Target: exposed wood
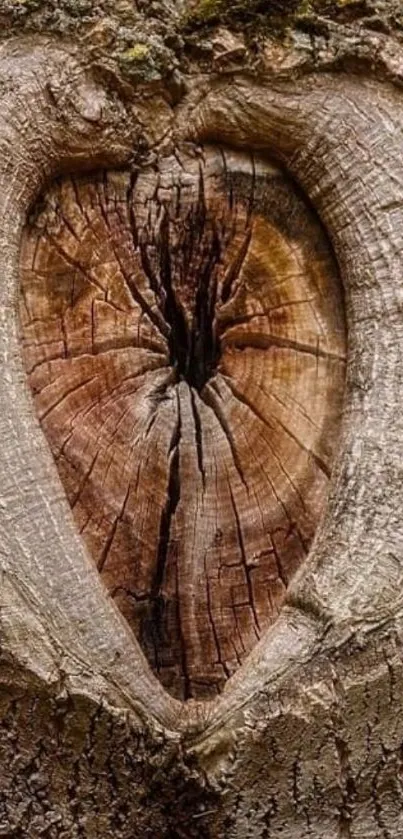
x=305 y=740
x=183 y=331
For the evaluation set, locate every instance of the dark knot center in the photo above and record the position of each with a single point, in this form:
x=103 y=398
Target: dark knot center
x=189 y=267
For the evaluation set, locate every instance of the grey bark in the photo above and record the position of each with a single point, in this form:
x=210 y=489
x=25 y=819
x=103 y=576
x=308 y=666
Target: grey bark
x=307 y=738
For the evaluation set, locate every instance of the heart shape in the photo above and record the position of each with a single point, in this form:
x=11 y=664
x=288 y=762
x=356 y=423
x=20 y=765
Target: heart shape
x=183 y=334
x=56 y=618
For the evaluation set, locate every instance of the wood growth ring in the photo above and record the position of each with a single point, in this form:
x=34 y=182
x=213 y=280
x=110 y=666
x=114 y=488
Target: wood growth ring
x=184 y=338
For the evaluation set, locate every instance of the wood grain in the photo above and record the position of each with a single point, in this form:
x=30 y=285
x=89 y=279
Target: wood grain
x=183 y=334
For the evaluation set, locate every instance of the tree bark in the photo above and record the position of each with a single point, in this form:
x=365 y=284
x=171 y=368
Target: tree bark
x=282 y=718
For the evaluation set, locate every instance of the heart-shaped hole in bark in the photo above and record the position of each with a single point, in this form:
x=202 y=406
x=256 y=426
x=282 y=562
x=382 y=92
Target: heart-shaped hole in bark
x=183 y=334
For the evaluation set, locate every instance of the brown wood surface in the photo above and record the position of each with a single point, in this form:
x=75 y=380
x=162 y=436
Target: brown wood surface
x=183 y=334
x=305 y=741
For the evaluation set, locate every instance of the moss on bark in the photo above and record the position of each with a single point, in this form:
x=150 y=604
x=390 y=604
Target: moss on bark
x=277 y=16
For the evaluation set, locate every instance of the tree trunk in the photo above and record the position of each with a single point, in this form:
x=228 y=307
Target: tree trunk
x=200 y=420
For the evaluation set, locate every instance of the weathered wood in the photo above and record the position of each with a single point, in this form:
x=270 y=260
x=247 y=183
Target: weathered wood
x=305 y=740
x=183 y=332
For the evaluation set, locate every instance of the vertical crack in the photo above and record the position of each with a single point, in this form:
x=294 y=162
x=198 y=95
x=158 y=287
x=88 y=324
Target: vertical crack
x=164 y=538
x=130 y=277
x=178 y=340
x=193 y=345
x=198 y=437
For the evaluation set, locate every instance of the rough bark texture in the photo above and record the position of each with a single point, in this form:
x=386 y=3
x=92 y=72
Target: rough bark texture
x=306 y=738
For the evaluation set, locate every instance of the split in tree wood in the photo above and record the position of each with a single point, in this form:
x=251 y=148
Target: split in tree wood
x=183 y=334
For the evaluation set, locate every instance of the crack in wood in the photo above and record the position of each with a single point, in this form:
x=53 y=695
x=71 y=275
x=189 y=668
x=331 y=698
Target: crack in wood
x=184 y=341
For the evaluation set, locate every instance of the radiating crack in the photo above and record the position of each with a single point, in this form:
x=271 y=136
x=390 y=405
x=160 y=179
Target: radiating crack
x=175 y=374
